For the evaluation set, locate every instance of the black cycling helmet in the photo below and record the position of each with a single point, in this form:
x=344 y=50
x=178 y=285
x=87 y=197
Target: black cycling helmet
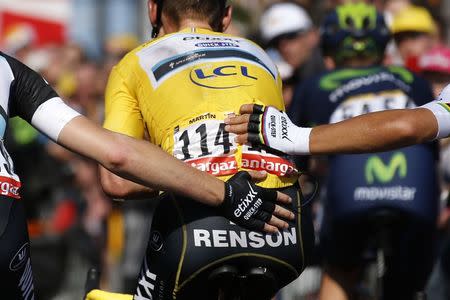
x=157 y=26
x=354 y=29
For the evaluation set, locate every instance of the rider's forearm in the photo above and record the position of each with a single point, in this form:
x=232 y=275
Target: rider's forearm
x=164 y=172
x=140 y=161
x=375 y=132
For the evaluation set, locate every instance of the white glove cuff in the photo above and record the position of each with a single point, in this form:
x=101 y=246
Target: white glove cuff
x=441 y=111
x=301 y=140
x=281 y=134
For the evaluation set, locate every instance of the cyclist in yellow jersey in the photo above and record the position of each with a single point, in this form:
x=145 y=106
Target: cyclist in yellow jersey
x=176 y=91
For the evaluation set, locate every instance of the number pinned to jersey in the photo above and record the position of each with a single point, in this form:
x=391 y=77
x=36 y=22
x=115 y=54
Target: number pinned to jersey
x=207 y=146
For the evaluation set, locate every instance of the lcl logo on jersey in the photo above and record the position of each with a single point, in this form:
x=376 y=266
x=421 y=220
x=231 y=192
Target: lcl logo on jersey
x=222 y=77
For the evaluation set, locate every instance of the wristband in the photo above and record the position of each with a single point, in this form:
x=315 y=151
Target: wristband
x=441 y=111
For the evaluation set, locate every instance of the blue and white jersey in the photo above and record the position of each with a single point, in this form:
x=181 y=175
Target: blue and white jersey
x=25 y=94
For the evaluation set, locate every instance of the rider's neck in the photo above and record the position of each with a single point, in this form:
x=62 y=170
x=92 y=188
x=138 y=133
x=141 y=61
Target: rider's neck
x=171 y=27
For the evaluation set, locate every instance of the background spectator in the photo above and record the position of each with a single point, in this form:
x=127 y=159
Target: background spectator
x=415 y=32
x=287 y=30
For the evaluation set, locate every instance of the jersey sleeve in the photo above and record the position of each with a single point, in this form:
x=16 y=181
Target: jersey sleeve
x=122 y=112
x=28 y=90
x=34 y=100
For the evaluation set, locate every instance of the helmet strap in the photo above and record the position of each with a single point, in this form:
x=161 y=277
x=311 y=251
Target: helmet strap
x=157 y=27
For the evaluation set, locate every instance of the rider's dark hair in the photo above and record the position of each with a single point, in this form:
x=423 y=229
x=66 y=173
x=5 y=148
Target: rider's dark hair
x=211 y=10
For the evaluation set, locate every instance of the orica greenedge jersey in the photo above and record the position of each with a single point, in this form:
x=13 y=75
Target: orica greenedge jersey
x=404 y=179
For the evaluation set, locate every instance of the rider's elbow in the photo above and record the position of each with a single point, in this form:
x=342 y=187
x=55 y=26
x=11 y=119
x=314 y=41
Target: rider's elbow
x=114 y=188
x=116 y=158
x=112 y=184
x=117 y=155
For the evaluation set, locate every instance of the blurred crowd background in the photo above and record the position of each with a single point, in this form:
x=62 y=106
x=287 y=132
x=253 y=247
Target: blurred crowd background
x=74 y=44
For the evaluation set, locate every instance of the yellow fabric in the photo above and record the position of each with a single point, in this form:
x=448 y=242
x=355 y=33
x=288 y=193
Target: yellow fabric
x=413 y=18
x=116 y=234
x=193 y=100
x=102 y=295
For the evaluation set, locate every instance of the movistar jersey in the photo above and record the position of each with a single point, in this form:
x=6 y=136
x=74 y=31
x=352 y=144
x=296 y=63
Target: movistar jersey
x=405 y=178
x=178 y=89
x=345 y=93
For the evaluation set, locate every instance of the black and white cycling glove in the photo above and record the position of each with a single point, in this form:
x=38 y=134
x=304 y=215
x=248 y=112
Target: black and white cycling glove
x=247 y=204
x=273 y=128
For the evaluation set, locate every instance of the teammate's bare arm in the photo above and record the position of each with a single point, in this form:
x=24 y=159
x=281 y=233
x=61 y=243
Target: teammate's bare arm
x=144 y=163
x=374 y=132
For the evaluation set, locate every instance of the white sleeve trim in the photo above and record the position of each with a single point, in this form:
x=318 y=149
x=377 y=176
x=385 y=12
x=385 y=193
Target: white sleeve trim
x=51 y=117
x=441 y=111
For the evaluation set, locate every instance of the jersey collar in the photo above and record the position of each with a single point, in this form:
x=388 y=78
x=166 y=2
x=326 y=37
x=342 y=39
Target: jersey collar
x=198 y=30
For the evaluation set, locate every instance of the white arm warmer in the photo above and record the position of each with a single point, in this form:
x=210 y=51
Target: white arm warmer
x=51 y=117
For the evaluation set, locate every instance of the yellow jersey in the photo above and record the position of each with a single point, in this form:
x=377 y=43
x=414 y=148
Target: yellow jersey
x=178 y=89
